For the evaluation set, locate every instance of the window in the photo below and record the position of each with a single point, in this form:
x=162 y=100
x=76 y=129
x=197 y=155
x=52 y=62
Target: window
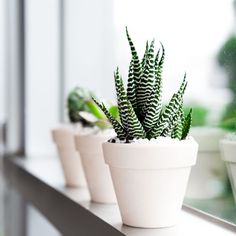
x=80 y=43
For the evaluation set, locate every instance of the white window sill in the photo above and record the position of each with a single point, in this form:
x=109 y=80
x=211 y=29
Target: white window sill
x=70 y=211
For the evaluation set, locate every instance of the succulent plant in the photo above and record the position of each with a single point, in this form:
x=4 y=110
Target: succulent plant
x=76 y=103
x=140 y=107
x=82 y=109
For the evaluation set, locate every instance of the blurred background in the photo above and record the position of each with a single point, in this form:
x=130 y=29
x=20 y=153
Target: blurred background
x=76 y=42
x=47 y=47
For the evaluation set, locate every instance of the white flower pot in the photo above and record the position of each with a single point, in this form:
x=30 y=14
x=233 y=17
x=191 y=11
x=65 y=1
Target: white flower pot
x=208 y=177
x=63 y=137
x=96 y=171
x=150 y=180
x=228 y=149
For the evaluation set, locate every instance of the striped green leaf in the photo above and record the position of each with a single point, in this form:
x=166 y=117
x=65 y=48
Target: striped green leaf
x=183 y=86
x=152 y=109
x=136 y=62
x=159 y=64
x=121 y=100
x=187 y=125
x=167 y=116
x=131 y=87
x=145 y=56
x=172 y=124
x=147 y=80
x=120 y=131
x=177 y=131
x=135 y=128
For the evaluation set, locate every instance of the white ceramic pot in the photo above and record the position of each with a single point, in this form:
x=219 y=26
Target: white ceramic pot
x=228 y=149
x=208 y=177
x=150 y=180
x=63 y=137
x=96 y=171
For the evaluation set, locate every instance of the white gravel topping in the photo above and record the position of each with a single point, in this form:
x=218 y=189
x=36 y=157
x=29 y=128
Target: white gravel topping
x=158 y=140
x=161 y=140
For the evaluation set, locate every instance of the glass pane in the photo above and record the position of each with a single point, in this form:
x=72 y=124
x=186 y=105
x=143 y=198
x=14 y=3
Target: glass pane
x=42 y=75
x=2 y=100
x=89 y=45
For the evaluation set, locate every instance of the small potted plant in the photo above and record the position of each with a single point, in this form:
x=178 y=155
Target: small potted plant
x=63 y=137
x=83 y=113
x=151 y=157
x=228 y=151
x=208 y=177
x=88 y=143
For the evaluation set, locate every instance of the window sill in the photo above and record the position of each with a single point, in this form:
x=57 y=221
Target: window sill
x=40 y=182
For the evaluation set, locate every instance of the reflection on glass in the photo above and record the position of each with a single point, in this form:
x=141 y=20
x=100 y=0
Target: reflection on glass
x=209 y=187
x=221 y=207
x=226 y=58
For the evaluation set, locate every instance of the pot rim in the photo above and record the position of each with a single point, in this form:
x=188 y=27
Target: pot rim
x=90 y=143
x=228 y=148
x=185 y=142
x=150 y=156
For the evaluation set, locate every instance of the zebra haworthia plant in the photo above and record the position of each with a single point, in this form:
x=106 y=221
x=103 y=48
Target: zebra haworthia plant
x=140 y=107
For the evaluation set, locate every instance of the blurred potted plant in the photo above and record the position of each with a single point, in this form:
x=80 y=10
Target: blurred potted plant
x=88 y=142
x=82 y=113
x=226 y=59
x=151 y=157
x=63 y=136
x=208 y=177
x=228 y=151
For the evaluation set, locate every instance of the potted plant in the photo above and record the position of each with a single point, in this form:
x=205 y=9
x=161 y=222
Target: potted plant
x=88 y=143
x=226 y=58
x=63 y=137
x=82 y=113
x=228 y=151
x=151 y=157
x=208 y=178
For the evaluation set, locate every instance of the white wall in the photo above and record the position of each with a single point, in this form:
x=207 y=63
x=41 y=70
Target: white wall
x=42 y=74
